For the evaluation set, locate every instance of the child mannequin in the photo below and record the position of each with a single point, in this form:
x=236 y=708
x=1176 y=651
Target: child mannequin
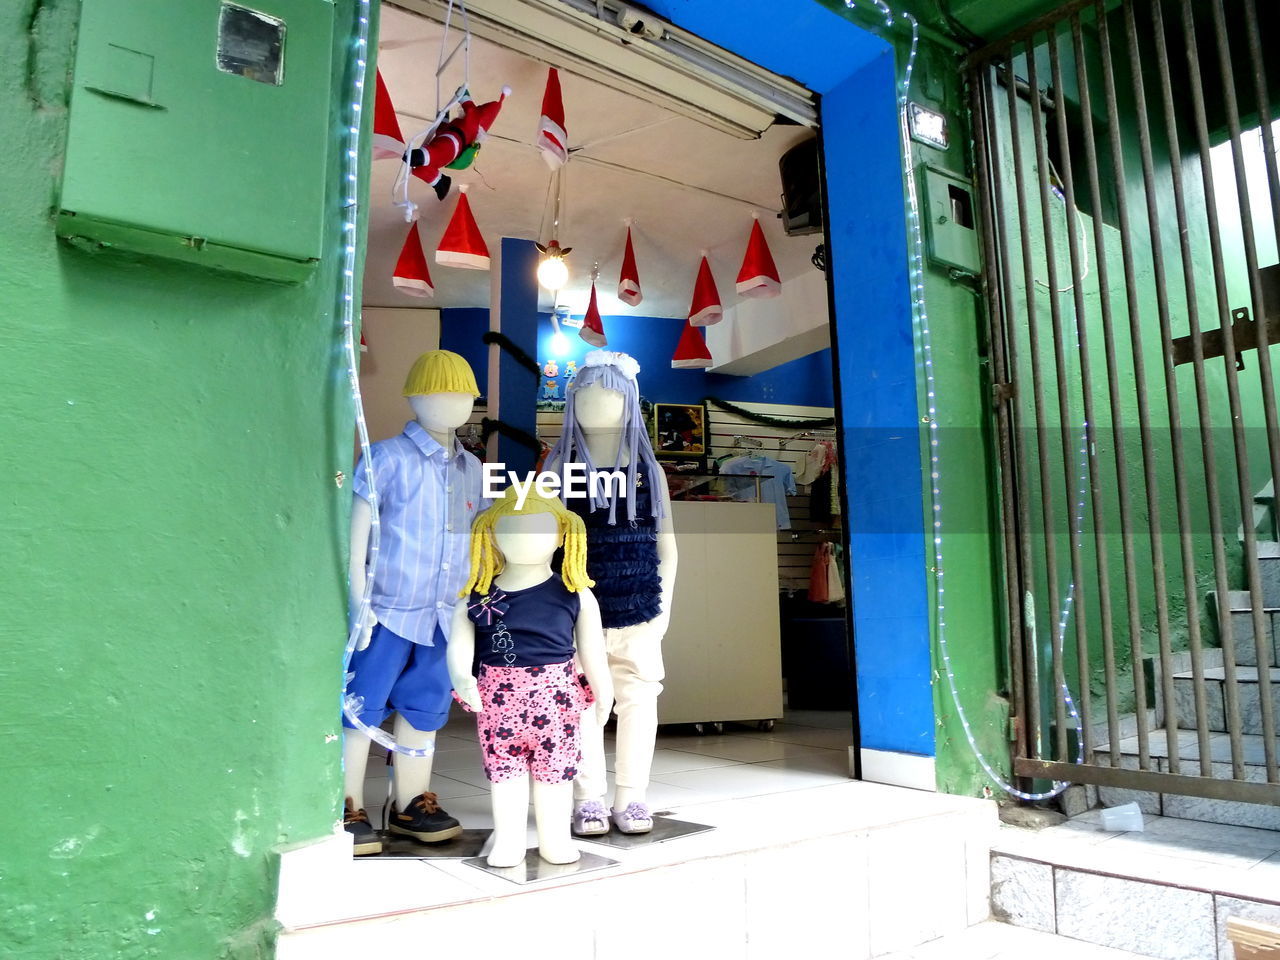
x=633 y=555
x=528 y=697
x=429 y=491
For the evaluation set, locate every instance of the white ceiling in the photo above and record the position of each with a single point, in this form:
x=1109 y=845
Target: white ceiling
x=510 y=183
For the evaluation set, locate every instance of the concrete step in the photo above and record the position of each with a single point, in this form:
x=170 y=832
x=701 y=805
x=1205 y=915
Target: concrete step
x=1249 y=691
x=1231 y=812
x=1003 y=941
x=1269 y=570
x=1242 y=629
x=870 y=868
x=1167 y=892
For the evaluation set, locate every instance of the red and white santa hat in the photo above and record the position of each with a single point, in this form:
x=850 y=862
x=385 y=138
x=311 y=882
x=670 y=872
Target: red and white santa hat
x=411 y=275
x=691 y=352
x=462 y=245
x=552 y=139
x=592 y=326
x=629 y=280
x=364 y=344
x=759 y=275
x=388 y=141
x=705 y=309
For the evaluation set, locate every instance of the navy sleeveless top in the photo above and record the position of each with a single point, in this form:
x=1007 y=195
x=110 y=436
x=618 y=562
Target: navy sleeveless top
x=534 y=629
x=622 y=558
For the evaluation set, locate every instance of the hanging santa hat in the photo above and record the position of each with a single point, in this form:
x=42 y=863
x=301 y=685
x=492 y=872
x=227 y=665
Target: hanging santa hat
x=758 y=276
x=364 y=344
x=388 y=141
x=462 y=245
x=592 y=326
x=411 y=275
x=705 y=309
x=629 y=280
x=691 y=352
x=552 y=139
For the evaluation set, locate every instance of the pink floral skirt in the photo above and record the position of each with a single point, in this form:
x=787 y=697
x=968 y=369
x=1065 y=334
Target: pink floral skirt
x=530 y=720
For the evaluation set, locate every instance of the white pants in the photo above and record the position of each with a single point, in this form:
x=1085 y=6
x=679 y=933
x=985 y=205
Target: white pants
x=635 y=663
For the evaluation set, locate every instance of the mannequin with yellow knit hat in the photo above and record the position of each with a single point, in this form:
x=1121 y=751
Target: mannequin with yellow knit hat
x=428 y=491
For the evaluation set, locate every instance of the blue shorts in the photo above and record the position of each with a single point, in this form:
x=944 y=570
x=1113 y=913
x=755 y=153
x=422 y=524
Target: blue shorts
x=395 y=674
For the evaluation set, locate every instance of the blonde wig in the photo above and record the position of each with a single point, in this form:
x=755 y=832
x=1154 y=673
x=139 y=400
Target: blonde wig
x=487 y=560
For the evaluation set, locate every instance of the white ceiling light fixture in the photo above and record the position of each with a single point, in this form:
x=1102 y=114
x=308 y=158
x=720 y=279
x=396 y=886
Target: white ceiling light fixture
x=631 y=51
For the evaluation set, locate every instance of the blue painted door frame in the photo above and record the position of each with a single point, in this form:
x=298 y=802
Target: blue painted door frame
x=873 y=344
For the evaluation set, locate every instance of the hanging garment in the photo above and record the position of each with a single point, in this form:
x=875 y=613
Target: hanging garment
x=774 y=489
x=818 y=579
x=834 y=475
x=814 y=464
x=820 y=500
x=835 y=576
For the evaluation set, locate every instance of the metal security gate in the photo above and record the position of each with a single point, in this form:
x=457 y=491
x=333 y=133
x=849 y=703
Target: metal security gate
x=1126 y=156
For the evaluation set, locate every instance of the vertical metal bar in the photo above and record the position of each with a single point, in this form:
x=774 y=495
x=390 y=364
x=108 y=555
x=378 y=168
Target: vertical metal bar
x=1078 y=272
x=1117 y=427
x=1232 y=693
x=1261 y=91
x=987 y=159
x=1033 y=336
x=1136 y=341
x=1060 y=387
x=1152 y=190
x=1203 y=402
x=1264 y=367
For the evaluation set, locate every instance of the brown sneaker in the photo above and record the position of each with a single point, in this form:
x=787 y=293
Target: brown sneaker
x=366 y=841
x=424 y=821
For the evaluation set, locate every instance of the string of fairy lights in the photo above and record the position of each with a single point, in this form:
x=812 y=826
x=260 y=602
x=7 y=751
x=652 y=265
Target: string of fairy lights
x=920 y=316
x=353 y=705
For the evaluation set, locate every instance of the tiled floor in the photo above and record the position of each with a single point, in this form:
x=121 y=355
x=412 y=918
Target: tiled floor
x=805 y=749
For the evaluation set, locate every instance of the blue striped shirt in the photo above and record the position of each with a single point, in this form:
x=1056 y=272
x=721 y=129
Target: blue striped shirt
x=426 y=502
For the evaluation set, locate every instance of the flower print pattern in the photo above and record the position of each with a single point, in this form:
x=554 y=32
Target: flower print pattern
x=530 y=721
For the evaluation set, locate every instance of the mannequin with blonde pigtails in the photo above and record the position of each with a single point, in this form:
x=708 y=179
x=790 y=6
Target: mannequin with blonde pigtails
x=530 y=630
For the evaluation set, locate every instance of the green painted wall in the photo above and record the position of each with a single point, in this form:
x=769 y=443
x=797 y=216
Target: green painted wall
x=174 y=591
x=974 y=621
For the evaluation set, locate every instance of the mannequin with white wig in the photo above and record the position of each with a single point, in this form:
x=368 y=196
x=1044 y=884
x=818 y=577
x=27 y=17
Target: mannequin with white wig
x=631 y=555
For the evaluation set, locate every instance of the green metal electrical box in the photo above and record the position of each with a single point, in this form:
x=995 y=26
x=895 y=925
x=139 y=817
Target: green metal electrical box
x=199 y=131
x=950 y=212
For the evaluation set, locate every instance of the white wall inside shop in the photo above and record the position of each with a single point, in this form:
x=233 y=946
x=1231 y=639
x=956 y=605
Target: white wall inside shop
x=397 y=336
x=757 y=335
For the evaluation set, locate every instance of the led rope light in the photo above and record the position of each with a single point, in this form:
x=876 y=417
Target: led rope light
x=920 y=317
x=353 y=705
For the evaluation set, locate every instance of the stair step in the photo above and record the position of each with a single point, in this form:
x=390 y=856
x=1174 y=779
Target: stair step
x=1248 y=691
x=1167 y=892
x=1002 y=941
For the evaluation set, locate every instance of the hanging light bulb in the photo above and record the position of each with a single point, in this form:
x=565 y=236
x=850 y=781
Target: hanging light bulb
x=553 y=272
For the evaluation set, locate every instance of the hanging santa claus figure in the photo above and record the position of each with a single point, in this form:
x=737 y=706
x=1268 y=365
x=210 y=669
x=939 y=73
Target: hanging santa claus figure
x=454 y=143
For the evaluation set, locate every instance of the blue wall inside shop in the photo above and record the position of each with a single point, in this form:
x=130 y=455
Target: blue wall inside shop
x=652 y=340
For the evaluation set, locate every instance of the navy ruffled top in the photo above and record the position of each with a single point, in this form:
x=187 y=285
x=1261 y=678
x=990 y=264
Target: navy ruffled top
x=622 y=558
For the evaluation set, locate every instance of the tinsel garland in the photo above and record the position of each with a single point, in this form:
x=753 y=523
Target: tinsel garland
x=489 y=427
x=766 y=420
x=506 y=343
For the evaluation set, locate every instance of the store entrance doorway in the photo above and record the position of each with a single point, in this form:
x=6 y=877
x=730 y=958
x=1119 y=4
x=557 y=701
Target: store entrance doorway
x=760 y=653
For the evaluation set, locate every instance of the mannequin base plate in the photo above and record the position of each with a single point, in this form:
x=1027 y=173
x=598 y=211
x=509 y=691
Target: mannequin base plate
x=664 y=829
x=535 y=868
x=466 y=844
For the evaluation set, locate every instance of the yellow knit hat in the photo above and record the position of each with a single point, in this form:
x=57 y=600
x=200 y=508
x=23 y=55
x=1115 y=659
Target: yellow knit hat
x=440 y=371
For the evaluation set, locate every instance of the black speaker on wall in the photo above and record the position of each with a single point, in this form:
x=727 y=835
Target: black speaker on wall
x=801 y=189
